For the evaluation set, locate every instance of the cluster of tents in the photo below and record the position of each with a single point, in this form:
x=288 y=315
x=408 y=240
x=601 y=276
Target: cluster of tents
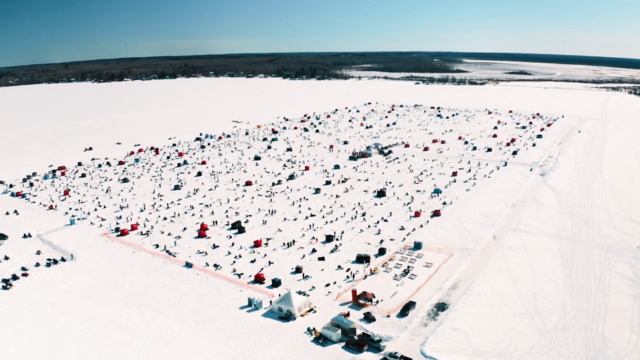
x=253 y=186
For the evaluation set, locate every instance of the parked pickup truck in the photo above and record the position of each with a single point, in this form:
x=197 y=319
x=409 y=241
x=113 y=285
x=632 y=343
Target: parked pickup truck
x=394 y=355
x=374 y=341
x=358 y=345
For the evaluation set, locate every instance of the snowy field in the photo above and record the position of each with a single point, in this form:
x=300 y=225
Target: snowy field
x=536 y=250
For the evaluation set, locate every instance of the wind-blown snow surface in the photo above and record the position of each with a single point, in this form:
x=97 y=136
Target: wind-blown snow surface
x=546 y=252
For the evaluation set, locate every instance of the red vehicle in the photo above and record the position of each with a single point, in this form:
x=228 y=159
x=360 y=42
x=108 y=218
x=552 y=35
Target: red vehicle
x=357 y=345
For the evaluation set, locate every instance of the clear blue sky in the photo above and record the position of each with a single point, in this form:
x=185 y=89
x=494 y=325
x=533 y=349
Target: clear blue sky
x=41 y=31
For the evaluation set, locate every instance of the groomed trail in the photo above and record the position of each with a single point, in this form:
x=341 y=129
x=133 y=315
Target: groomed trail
x=574 y=219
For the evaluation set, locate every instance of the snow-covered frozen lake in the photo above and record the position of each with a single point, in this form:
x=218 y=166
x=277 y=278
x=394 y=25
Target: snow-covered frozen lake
x=536 y=253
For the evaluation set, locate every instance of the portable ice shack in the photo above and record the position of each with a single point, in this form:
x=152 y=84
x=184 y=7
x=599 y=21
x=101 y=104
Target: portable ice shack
x=363 y=258
x=259 y=278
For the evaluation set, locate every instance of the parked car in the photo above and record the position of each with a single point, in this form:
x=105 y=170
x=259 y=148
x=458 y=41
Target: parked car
x=356 y=344
x=406 y=309
x=394 y=355
x=374 y=341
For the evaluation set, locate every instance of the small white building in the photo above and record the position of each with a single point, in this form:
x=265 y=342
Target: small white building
x=331 y=333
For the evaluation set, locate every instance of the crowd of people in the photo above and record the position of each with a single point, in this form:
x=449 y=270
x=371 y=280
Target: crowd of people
x=245 y=175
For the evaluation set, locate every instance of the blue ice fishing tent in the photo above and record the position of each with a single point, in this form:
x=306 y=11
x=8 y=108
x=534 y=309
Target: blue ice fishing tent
x=437 y=191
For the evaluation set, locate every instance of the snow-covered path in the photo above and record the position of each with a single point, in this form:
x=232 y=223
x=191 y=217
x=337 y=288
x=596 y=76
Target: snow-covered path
x=566 y=283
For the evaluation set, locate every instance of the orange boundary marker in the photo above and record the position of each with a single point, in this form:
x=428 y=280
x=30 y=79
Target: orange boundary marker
x=182 y=262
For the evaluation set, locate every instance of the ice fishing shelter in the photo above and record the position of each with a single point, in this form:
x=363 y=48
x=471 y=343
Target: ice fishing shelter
x=259 y=278
x=380 y=193
x=236 y=225
x=437 y=191
x=248 y=183
x=363 y=258
x=257 y=243
x=291 y=304
x=202 y=234
x=124 y=232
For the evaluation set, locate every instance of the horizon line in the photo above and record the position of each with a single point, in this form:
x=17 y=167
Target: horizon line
x=320 y=53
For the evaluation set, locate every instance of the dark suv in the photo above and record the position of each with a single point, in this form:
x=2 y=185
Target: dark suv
x=406 y=309
x=357 y=345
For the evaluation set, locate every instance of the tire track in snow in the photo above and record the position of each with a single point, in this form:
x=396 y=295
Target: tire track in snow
x=585 y=260
x=492 y=242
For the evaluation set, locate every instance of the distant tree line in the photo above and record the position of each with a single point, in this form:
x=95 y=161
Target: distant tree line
x=297 y=66
x=631 y=90
x=287 y=66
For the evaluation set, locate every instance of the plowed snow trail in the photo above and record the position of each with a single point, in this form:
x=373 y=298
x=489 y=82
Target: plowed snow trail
x=497 y=237
x=567 y=273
